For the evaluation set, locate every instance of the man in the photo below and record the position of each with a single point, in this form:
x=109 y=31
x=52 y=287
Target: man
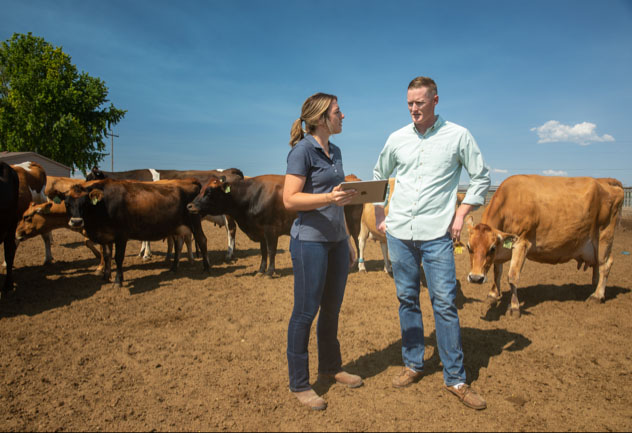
x=428 y=156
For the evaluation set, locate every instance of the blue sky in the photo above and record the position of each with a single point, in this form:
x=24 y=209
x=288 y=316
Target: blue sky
x=543 y=86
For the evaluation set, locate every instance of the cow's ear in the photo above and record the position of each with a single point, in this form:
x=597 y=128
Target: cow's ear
x=470 y=223
x=507 y=240
x=45 y=209
x=96 y=195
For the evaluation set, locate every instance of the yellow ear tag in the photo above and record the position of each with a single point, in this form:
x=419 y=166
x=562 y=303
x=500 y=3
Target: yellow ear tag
x=458 y=249
x=227 y=189
x=95 y=201
x=508 y=244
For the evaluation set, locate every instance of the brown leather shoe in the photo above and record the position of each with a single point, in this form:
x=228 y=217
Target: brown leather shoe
x=344 y=378
x=406 y=377
x=310 y=399
x=468 y=396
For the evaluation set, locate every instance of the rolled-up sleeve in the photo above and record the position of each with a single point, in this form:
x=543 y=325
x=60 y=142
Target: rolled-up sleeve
x=473 y=162
x=384 y=168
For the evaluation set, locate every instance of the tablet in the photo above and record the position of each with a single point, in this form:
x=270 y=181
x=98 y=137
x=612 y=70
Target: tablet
x=369 y=191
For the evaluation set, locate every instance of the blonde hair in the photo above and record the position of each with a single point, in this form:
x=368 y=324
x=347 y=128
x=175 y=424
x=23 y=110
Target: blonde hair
x=420 y=82
x=314 y=108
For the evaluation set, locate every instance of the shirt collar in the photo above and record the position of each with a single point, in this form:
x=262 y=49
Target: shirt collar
x=316 y=144
x=435 y=126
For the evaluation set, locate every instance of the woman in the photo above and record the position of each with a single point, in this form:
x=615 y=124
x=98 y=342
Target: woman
x=319 y=245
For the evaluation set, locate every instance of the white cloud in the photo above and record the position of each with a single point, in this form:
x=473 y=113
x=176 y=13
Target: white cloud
x=555 y=173
x=500 y=170
x=581 y=133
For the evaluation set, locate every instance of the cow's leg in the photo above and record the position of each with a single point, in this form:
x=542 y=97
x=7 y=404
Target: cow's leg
x=231 y=232
x=264 y=257
x=9 y=255
x=362 y=238
x=107 y=261
x=187 y=240
x=169 y=248
x=387 y=262
x=145 y=250
x=605 y=259
x=119 y=255
x=518 y=257
x=47 y=238
x=98 y=254
x=272 y=242
x=177 y=250
x=200 y=241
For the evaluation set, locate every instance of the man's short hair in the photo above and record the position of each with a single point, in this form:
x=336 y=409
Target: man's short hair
x=419 y=82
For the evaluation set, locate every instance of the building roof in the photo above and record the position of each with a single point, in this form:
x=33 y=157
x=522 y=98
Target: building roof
x=5 y=155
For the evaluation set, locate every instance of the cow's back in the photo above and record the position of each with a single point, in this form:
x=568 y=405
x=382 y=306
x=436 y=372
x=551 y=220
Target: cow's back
x=32 y=179
x=559 y=216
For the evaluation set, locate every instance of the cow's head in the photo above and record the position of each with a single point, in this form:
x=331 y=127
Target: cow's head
x=485 y=243
x=81 y=199
x=213 y=198
x=33 y=221
x=95 y=174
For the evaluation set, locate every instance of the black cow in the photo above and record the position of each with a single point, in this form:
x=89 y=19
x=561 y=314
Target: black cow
x=256 y=204
x=9 y=217
x=113 y=210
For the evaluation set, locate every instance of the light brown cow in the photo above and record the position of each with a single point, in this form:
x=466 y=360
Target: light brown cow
x=57 y=187
x=368 y=230
x=547 y=220
x=42 y=218
x=32 y=187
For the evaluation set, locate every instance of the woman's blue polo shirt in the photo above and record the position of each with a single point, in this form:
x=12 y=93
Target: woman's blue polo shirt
x=322 y=174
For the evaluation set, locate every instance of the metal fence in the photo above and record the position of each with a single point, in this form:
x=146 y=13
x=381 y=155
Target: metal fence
x=627 y=200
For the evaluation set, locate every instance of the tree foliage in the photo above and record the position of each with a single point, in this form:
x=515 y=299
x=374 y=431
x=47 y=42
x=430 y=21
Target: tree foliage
x=47 y=107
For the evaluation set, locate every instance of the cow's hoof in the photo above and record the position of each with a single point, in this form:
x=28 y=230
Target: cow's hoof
x=514 y=313
x=595 y=300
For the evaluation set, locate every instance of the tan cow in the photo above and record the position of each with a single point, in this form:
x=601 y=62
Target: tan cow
x=42 y=218
x=368 y=230
x=547 y=220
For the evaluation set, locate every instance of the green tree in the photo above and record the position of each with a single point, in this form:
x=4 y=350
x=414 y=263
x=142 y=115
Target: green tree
x=47 y=107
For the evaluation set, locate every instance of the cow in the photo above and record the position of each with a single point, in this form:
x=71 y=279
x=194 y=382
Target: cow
x=32 y=189
x=57 y=187
x=256 y=204
x=114 y=211
x=369 y=230
x=150 y=174
x=9 y=216
x=353 y=215
x=42 y=218
x=547 y=220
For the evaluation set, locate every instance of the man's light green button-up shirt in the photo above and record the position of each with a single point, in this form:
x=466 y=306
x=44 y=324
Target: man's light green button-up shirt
x=427 y=178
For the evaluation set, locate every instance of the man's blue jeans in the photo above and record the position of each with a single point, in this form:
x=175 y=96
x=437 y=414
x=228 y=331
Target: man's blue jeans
x=320 y=277
x=437 y=257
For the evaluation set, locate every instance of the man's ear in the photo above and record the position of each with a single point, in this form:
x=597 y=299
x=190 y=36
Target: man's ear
x=96 y=195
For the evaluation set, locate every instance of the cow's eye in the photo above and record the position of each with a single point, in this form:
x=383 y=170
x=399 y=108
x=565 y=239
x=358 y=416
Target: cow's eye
x=492 y=249
x=469 y=248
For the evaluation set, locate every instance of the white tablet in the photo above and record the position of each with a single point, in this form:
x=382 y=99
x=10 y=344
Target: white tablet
x=369 y=191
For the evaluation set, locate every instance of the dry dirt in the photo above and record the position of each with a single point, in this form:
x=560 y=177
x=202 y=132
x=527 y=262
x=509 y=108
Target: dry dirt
x=189 y=351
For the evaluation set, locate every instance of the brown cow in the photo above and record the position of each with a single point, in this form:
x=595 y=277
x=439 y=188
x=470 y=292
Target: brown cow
x=256 y=204
x=57 y=187
x=547 y=220
x=203 y=176
x=32 y=189
x=115 y=211
x=353 y=215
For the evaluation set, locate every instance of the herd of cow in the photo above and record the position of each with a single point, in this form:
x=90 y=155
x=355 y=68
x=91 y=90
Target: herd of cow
x=544 y=219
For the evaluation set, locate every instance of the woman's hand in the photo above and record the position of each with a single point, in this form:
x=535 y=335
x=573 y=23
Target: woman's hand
x=341 y=197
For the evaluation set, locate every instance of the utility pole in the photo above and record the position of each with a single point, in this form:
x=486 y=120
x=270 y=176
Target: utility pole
x=112 y=154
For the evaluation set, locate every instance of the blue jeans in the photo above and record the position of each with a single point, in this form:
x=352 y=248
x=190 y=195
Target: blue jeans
x=320 y=277
x=437 y=257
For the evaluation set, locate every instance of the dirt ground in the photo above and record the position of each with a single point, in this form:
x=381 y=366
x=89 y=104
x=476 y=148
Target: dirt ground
x=190 y=351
